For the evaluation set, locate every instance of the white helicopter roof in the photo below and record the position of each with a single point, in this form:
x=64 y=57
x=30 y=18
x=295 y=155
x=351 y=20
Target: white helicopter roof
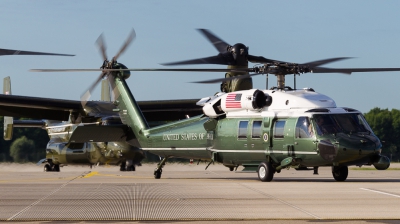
x=285 y=103
x=298 y=99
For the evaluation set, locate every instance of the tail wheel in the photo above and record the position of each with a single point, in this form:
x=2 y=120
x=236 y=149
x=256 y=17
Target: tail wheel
x=157 y=174
x=340 y=172
x=265 y=172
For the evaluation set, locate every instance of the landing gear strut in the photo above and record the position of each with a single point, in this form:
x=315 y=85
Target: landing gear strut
x=158 y=170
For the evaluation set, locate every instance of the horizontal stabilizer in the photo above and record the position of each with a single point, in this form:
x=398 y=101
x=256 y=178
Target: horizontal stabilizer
x=95 y=133
x=29 y=124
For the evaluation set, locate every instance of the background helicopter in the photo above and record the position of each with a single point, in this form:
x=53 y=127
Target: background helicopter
x=60 y=151
x=61 y=117
x=264 y=129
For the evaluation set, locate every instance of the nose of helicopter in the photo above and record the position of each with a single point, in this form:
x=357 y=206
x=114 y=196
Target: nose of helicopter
x=351 y=149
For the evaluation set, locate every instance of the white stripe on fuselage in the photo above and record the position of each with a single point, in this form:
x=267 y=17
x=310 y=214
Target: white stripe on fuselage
x=219 y=150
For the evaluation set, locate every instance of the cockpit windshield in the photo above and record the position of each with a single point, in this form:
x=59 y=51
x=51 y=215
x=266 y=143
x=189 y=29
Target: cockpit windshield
x=335 y=123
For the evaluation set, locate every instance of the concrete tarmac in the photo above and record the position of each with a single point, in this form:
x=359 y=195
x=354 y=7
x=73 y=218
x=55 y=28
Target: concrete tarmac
x=188 y=193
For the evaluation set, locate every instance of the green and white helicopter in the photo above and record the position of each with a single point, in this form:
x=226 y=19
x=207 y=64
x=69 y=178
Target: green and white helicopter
x=263 y=130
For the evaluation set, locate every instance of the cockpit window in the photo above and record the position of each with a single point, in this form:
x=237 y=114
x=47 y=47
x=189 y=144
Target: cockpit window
x=304 y=128
x=335 y=123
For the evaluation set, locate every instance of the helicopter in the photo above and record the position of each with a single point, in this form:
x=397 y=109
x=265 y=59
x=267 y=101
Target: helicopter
x=61 y=118
x=60 y=152
x=262 y=130
x=66 y=120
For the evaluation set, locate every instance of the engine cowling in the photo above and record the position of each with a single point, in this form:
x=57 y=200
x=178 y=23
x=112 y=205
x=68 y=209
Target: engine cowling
x=254 y=100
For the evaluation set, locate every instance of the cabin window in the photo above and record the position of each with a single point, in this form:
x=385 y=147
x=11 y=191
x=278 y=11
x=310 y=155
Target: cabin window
x=278 y=129
x=242 y=129
x=304 y=128
x=256 y=130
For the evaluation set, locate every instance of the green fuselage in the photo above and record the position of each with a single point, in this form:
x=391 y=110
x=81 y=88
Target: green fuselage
x=249 y=140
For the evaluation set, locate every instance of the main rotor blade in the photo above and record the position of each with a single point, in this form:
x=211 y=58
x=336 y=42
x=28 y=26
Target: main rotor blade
x=128 y=41
x=325 y=61
x=226 y=79
x=221 y=59
x=218 y=43
x=351 y=70
x=102 y=46
x=260 y=59
x=17 y=52
x=149 y=70
x=85 y=96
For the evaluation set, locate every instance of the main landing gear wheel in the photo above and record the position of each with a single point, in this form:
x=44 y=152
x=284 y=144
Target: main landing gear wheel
x=122 y=167
x=157 y=173
x=340 y=172
x=130 y=168
x=47 y=168
x=56 y=168
x=265 y=172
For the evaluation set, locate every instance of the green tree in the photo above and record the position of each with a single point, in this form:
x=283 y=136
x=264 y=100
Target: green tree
x=21 y=150
x=39 y=136
x=386 y=125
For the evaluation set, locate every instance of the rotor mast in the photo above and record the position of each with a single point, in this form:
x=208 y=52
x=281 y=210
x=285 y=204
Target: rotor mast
x=280 y=80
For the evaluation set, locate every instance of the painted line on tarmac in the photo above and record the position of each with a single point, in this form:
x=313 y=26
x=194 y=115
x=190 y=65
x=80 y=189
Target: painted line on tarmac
x=91 y=174
x=381 y=192
x=41 y=199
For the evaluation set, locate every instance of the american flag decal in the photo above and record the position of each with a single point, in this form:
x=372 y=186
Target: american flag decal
x=233 y=100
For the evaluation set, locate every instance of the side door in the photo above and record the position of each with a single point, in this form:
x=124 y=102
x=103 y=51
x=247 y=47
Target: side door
x=255 y=143
x=278 y=136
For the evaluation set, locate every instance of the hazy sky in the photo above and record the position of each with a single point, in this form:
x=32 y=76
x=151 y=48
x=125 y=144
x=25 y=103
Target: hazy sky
x=295 y=31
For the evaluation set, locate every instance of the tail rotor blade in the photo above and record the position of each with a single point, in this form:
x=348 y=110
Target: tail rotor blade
x=86 y=96
x=102 y=46
x=128 y=41
x=114 y=90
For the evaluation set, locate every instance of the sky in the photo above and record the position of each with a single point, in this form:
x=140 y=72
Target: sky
x=294 y=31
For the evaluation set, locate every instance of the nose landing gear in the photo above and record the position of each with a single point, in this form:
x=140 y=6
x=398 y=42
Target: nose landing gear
x=51 y=167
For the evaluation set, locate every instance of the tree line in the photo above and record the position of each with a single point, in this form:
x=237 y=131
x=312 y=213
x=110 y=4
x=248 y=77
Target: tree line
x=28 y=144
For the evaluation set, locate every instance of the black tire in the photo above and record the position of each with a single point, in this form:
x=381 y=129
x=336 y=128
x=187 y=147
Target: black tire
x=157 y=174
x=265 y=172
x=56 y=168
x=231 y=168
x=130 y=168
x=47 y=168
x=122 y=167
x=340 y=173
